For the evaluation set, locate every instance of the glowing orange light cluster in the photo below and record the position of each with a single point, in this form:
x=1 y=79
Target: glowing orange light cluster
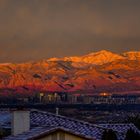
x=104 y=94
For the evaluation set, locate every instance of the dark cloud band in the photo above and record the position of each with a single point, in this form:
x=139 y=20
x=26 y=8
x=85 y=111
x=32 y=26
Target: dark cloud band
x=36 y=29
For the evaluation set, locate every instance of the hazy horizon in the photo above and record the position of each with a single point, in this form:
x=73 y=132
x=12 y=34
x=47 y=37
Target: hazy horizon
x=46 y=58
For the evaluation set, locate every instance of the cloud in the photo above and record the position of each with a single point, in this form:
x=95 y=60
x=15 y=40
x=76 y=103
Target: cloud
x=37 y=29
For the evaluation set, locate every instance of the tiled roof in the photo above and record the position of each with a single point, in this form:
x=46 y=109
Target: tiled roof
x=83 y=128
x=45 y=122
x=39 y=132
x=120 y=129
x=30 y=134
x=5 y=119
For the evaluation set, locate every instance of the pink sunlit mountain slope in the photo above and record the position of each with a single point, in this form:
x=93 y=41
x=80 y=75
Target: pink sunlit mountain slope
x=101 y=71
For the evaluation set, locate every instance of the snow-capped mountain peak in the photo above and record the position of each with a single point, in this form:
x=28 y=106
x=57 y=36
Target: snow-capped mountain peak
x=96 y=58
x=132 y=55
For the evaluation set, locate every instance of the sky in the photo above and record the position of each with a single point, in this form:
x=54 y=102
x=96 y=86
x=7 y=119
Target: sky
x=40 y=29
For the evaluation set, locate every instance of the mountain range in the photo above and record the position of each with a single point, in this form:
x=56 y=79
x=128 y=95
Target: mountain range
x=102 y=71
